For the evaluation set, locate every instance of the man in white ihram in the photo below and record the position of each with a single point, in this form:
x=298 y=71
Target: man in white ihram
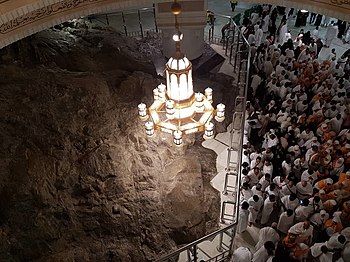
x=241 y=254
x=267 y=234
x=331 y=33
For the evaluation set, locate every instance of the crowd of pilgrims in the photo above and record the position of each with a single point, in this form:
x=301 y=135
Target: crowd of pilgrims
x=295 y=177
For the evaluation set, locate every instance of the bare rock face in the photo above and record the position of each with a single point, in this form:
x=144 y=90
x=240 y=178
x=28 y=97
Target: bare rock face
x=79 y=180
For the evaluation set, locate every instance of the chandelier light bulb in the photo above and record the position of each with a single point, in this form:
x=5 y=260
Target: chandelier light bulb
x=209 y=131
x=161 y=92
x=199 y=102
x=177 y=137
x=220 y=112
x=209 y=94
x=155 y=94
x=149 y=128
x=142 y=111
x=178 y=36
x=170 y=110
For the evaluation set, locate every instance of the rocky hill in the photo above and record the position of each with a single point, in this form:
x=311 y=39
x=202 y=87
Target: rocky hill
x=79 y=180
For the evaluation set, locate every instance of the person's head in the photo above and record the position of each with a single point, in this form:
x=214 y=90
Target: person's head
x=256 y=198
x=272 y=198
x=274 y=225
x=245 y=172
x=341 y=239
x=245 y=165
x=304 y=183
x=272 y=186
x=289 y=212
x=324 y=249
x=317 y=199
x=245 y=185
x=292 y=197
x=256 y=170
x=305 y=202
x=258 y=186
x=270 y=247
x=306 y=224
x=267 y=176
x=245 y=205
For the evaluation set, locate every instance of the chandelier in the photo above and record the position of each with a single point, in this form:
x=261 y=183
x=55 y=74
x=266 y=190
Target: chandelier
x=176 y=109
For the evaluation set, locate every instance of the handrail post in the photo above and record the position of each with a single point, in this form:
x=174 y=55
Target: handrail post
x=107 y=19
x=155 y=17
x=140 y=23
x=219 y=247
x=195 y=255
x=124 y=24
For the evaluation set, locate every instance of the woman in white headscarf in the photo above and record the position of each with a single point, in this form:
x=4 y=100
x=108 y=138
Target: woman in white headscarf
x=337 y=167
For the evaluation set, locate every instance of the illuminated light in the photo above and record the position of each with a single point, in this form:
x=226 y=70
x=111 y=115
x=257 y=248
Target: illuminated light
x=176 y=109
x=199 y=102
x=143 y=111
x=220 y=113
x=149 y=128
x=304 y=11
x=177 y=137
x=209 y=131
x=170 y=110
x=209 y=94
x=161 y=92
x=155 y=94
x=178 y=37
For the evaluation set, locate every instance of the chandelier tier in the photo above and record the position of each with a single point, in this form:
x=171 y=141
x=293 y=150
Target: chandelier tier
x=176 y=109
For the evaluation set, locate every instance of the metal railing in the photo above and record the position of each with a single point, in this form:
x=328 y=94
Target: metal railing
x=194 y=252
x=240 y=50
x=119 y=20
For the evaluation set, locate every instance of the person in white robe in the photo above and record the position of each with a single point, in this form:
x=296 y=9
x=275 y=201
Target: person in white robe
x=318 y=219
x=346 y=252
x=258 y=36
x=331 y=33
x=304 y=210
x=303 y=231
x=315 y=33
x=288 y=189
x=268 y=66
x=336 y=242
x=265 y=25
x=304 y=189
x=264 y=252
x=242 y=254
x=269 y=205
x=246 y=192
x=290 y=202
x=321 y=252
x=255 y=204
x=267 y=234
x=282 y=34
x=256 y=190
x=285 y=221
x=288 y=36
x=242 y=223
